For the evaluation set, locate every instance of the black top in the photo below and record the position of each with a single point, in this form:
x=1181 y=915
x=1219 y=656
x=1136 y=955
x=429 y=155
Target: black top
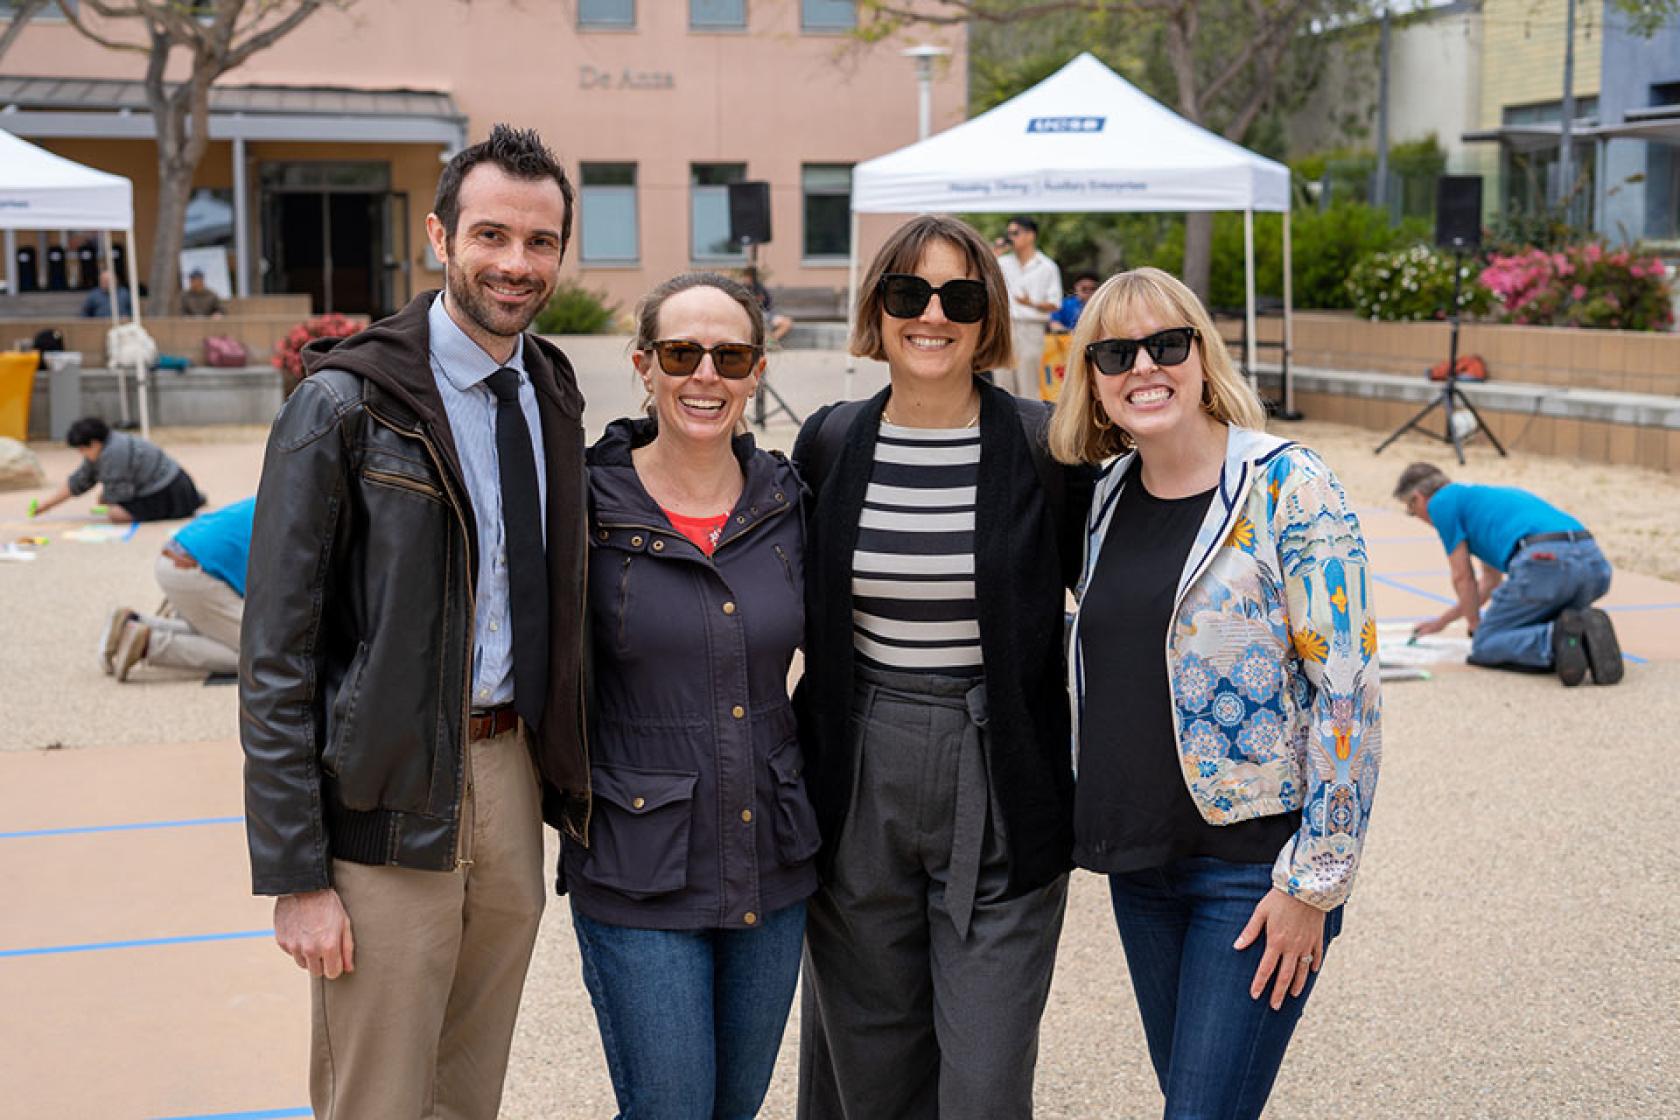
x=1132 y=809
x=1026 y=554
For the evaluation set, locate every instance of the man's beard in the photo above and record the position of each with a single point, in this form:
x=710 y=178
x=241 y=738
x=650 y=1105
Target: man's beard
x=466 y=293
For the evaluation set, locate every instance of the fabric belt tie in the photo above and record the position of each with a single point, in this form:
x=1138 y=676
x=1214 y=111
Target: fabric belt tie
x=516 y=468
x=968 y=830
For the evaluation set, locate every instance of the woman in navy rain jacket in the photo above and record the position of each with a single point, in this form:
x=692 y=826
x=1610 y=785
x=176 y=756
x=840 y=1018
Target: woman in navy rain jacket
x=689 y=902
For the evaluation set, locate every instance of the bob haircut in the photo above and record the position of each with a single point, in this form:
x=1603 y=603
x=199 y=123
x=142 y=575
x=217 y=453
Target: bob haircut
x=902 y=253
x=1076 y=435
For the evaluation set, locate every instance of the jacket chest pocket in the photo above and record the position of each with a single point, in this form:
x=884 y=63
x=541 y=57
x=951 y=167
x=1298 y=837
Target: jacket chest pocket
x=639 y=836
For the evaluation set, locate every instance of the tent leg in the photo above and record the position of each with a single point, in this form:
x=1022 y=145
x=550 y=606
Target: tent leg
x=111 y=267
x=1251 y=343
x=849 y=385
x=1289 y=411
x=134 y=306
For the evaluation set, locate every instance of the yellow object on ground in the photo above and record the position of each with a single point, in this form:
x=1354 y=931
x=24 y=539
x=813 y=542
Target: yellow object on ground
x=17 y=383
x=1052 y=367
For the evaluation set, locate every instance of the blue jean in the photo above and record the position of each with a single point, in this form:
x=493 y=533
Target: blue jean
x=691 y=1019
x=1541 y=582
x=1216 y=1051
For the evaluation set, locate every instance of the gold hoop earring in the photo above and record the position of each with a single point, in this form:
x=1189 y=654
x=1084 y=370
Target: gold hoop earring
x=1099 y=416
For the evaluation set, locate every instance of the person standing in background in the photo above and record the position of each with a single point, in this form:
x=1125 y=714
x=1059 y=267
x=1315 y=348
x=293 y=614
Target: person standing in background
x=1035 y=290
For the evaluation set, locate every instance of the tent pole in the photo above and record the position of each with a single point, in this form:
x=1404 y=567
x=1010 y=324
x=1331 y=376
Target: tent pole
x=111 y=267
x=1251 y=343
x=134 y=306
x=1289 y=412
x=11 y=263
x=849 y=387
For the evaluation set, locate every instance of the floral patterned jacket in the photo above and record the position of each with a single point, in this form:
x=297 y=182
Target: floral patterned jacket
x=1271 y=658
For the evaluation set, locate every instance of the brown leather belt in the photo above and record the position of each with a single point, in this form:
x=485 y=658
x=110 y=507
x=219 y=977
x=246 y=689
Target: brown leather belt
x=491 y=722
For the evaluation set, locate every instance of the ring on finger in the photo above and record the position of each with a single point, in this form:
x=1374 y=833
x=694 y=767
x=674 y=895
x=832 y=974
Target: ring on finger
x=1306 y=958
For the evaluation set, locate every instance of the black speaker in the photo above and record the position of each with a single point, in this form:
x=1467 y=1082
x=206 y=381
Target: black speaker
x=1458 y=211
x=749 y=213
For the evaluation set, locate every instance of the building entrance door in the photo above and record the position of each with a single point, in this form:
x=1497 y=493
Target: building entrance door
x=336 y=232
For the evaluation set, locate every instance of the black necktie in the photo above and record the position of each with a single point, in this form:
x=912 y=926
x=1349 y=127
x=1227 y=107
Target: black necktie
x=522 y=528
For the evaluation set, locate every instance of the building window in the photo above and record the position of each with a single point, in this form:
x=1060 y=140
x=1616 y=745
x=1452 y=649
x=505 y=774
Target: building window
x=709 y=15
x=827 y=192
x=827 y=15
x=708 y=211
x=55 y=10
x=608 y=233
x=606 y=13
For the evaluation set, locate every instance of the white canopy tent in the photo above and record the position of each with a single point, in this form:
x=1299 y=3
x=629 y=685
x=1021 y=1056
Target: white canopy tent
x=1084 y=139
x=40 y=190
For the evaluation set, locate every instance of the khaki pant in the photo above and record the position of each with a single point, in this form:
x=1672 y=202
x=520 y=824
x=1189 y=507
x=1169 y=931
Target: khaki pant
x=205 y=634
x=1029 y=356
x=422 y=1027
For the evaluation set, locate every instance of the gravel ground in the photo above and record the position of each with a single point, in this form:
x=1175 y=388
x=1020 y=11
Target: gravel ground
x=1509 y=951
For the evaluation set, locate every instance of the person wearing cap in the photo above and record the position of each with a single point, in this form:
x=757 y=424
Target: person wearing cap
x=1035 y=290
x=1531 y=610
x=199 y=300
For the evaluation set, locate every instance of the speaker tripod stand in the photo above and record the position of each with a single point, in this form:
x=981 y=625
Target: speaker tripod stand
x=1451 y=397
x=761 y=410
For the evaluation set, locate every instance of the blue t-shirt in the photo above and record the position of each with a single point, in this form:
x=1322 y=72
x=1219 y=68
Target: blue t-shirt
x=1493 y=519
x=1067 y=315
x=221 y=542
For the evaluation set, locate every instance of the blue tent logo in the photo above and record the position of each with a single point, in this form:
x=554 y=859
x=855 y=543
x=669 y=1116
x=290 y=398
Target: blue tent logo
x=1066 y=124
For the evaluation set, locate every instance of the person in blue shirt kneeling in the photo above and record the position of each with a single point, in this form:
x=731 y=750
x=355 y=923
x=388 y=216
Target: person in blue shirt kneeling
x=1541 y=572
x=202 y=572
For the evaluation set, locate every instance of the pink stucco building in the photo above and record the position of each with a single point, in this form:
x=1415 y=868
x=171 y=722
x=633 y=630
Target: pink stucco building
x=326 y=148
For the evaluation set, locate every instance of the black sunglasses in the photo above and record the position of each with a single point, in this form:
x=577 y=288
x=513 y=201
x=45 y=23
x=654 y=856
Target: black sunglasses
x=905 y=297
x=680 y=357
x=1114 y=356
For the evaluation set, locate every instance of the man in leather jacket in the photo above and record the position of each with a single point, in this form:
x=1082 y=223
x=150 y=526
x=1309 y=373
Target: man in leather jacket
x=411 y=667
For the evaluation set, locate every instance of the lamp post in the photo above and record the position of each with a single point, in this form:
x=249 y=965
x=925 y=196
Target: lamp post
x=924 y=54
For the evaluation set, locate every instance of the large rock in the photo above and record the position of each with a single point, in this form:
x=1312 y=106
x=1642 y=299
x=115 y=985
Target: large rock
x=19 y=469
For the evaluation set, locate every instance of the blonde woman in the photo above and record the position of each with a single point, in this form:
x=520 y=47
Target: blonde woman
x=1226 y=713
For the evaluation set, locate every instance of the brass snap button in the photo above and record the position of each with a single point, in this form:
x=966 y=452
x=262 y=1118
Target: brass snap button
x=746 y=816
x=750 y=918
x=729 y=608
x=737 y=711
x=635 y=542
x=659 y=546
x=637 y=802
x=603 y=534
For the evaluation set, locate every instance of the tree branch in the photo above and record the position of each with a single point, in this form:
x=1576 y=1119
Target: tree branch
x=21 y=14
x=74 y=19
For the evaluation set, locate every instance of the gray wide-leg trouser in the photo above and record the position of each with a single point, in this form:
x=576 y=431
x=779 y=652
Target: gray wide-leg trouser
x=923 y=988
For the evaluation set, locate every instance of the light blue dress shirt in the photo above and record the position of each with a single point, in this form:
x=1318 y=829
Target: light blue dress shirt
x=460 y=366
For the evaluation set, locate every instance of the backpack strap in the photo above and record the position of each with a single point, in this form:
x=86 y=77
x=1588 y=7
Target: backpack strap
x=829 y=436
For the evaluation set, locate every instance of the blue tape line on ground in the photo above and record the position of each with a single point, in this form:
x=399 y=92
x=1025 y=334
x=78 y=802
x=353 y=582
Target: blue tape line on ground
x=138 y=826
x=1390 y=581
x=137 y=943
x=263 y=1114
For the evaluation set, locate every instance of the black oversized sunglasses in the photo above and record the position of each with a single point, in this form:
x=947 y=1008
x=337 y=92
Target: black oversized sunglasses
x=1114 y=356
x=680 y=357
x=905 y=297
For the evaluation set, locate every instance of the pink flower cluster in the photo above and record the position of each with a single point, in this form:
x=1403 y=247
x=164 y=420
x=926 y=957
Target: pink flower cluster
x=288 y=352
x=1582 y=286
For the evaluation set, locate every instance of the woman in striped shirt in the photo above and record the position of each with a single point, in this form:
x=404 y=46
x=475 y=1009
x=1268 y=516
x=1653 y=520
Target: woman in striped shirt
x=941 y=544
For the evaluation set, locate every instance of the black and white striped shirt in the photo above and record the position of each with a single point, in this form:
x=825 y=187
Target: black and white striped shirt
x=913 y=572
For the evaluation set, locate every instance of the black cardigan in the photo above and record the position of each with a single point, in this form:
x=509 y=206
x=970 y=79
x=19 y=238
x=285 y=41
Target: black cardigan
x=1024 y=563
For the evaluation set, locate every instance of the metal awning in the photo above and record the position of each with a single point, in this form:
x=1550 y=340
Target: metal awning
x=1536 y=137
x=111 y=109
x=1660 y=125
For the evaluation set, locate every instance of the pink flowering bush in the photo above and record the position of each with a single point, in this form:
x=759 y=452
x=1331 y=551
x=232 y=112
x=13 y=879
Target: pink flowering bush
x=1582 y=285
x=288 y=352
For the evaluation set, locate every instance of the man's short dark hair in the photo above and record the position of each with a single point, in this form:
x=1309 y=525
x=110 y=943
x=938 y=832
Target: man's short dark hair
x=87 y=431
x=1091 y=276
x=1025 y=223
x=1420 y=478
x=520 y=153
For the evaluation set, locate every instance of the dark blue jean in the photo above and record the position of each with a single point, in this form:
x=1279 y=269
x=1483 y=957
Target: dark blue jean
x=1216 y=1051
x=1543 y=581
x=691 y=1019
